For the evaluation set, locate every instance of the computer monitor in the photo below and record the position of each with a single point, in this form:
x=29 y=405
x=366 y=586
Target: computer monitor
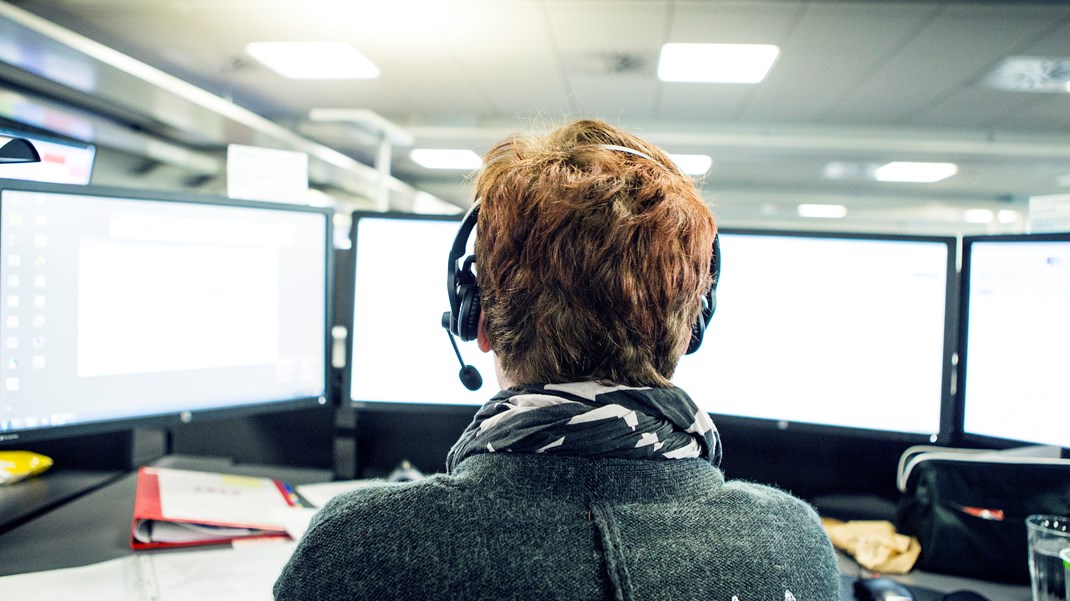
x=837 y=330
x=400 y=354
x=62 y=161
x=1014 y=351
x=121 y=308
x=845 y=331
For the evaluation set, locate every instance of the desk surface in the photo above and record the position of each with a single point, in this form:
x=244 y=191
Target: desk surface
x=96 y=528
x=27 y=499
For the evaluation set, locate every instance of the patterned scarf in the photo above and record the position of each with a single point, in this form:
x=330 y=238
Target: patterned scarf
x=588 y=419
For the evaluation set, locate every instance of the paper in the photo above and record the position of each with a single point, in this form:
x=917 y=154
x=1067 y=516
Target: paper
x=874 y=544
x=319 y=494
x=244 y=573
x=113 y=580
x=294 y=520
x=176 y=507
x=219 y=498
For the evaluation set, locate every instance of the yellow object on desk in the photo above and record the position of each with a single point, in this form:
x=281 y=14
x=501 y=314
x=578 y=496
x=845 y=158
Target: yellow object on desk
x=874 y=544
x=19 y=465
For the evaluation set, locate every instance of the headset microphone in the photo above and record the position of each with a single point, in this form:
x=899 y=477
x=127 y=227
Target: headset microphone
x=469 y=374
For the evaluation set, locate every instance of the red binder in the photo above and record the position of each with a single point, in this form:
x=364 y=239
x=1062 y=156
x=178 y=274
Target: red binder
x=182 y=508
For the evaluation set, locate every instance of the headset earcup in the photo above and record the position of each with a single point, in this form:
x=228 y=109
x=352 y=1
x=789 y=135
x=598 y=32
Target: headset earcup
x=709 y=302
x=468 y=314
x=698 y=329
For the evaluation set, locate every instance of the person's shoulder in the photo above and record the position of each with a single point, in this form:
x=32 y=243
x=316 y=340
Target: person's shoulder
x=781 y=506
x=763 y=494
x=390 y=499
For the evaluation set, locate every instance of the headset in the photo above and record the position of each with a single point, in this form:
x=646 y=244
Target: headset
x=462 y=320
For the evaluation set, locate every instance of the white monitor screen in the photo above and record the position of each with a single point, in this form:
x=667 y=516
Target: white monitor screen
x=400 y=351
x=117 y=308
x=835 y=331
x=1016 y=358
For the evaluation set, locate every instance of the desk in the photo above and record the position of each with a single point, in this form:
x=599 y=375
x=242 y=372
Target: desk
x=96 y=528
x=930 y=586
x=25 y=500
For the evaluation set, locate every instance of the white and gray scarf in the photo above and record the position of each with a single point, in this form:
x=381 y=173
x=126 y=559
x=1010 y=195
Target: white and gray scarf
x=588 y=419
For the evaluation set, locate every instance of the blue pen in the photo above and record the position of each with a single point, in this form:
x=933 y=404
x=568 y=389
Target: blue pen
x=292 y=496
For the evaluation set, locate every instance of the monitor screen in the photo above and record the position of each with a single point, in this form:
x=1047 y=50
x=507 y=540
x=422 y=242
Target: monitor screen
x=842 y=331
x=400 y=353
x=830 y=330
x=62 y=161
x=1014 y=354
x=117 y=307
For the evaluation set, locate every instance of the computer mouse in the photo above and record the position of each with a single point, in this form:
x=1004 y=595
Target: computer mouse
x=881 y=589
x=18 y=465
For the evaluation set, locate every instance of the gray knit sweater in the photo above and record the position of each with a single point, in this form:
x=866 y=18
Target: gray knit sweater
x=519 y=526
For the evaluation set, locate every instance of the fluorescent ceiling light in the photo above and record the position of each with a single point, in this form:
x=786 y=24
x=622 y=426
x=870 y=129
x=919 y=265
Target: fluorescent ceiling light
x=820 y=211
x=979 y=216
x=716 y=63
x=692 y=164
x=1031 y=74
x=914 y=172
x=313 y=60
x=446 y=158
x=1007 y=216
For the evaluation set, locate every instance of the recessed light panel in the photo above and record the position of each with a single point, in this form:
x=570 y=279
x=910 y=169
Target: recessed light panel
x=446 y=158
x=716 y=63
x=822 y=211
x=901 y=171
x=313 y=60
x=1031 y=74
x=692 y=164
x=979 y=216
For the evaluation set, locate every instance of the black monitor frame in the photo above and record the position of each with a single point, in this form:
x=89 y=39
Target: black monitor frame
x=958 y=434
x=20 y=438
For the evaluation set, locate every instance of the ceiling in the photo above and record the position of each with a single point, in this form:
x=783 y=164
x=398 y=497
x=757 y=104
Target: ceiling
x=857 y=84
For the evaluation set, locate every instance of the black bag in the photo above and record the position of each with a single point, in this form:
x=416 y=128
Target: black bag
x=968 y=507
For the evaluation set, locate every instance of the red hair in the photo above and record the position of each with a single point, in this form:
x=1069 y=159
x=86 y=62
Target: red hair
x=591 y=261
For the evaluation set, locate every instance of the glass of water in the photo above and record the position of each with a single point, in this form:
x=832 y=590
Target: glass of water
x=1049 y=535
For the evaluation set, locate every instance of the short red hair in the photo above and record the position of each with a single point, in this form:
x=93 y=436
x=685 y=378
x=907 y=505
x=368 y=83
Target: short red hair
x=591 y=262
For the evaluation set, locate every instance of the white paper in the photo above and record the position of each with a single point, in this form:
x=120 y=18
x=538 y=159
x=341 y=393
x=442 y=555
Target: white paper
x=245 y=573
x=113 y=580
x=320 y=493
x=219 y=498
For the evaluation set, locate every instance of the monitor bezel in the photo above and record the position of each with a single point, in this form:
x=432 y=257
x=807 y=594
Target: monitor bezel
x=958 y=434
x=761 y=424
x=167 y=419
